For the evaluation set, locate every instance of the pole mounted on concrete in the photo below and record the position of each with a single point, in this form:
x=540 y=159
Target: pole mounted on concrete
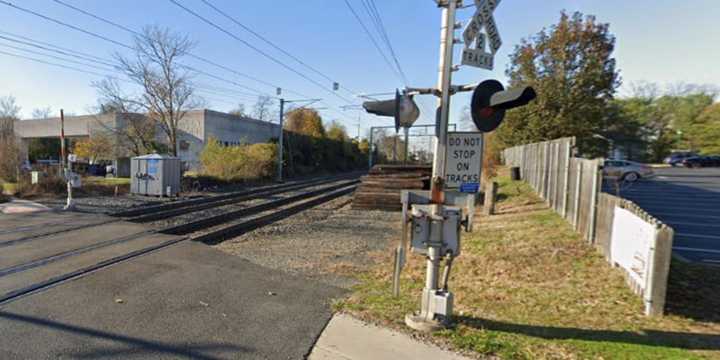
x=425 y=320
x=65 y=165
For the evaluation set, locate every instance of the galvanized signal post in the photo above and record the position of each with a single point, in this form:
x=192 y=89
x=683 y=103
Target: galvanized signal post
x=435 y=217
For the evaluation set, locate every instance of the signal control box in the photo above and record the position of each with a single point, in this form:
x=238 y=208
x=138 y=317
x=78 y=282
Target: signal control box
x=429 y=228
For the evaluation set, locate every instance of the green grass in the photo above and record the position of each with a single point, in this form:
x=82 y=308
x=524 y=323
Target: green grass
x=103 y=181
x=527 y=287
x=8 y=188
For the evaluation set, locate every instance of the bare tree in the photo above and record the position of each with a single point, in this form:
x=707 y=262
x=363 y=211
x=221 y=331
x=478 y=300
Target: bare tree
x=239 y=110
x=167 y=90
x=9 y=111
x=135 y=133
x=42 y=113
x=9 y=149
x=644 y=90
x=262 y=109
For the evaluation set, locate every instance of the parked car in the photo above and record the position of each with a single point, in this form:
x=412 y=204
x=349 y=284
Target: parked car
x=715 y=160
x=676 y=158
x=626 y=170
x=700 y=161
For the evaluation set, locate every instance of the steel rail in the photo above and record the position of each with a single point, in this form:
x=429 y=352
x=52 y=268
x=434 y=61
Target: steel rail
x=211 y=237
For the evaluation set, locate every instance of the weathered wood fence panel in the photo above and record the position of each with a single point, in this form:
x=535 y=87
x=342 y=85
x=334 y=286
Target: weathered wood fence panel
x=571 y=187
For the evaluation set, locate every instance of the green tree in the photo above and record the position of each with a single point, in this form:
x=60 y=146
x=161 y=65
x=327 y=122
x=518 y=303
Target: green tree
x=571 y=67
x=306 y=122
x=336 y=131
x=705 y=131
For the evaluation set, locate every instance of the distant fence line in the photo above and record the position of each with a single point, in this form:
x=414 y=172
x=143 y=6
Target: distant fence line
x=625 y=234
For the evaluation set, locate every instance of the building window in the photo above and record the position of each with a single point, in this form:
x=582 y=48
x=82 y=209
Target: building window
x=184 y=145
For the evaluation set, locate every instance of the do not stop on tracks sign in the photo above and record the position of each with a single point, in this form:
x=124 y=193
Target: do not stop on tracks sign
x=464 y=159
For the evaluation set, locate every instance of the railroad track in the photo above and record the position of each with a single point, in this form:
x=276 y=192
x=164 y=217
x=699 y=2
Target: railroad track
x=151 y=213
x=210 y=230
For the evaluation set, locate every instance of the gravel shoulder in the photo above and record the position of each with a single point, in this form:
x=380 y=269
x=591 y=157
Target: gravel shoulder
x=330 y=243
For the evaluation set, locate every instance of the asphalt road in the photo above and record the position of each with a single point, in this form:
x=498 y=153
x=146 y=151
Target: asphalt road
x=689 y=201
x=184 y=301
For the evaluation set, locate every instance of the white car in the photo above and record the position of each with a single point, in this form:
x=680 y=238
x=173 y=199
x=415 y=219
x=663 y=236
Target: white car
x=625 y=170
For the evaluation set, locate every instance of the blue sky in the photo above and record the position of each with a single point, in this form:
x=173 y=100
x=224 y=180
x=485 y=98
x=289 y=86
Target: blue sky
x=659 y=41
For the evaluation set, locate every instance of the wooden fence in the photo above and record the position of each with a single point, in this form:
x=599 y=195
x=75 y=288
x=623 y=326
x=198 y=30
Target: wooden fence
x=571 y=186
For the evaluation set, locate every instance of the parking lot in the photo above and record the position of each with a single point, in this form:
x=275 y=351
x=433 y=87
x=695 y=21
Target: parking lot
x=689 y=201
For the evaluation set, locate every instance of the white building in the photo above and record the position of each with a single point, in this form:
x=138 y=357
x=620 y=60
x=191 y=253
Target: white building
x=196 y=128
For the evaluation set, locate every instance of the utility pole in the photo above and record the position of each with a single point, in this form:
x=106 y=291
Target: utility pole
x=280 y=142
x=62 y=141
x=66 y=170
x=407 y=141
x=281 y=136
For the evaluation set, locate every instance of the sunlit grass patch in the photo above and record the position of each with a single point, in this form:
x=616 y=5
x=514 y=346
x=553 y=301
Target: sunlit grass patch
x=527 y=286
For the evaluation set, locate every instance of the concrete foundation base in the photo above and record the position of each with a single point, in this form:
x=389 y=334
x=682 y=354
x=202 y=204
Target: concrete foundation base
x=421 y=323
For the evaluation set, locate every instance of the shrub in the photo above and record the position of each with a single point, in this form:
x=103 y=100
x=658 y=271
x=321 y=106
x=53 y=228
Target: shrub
x=238 y=163
x=10 y=155
x=50 y=183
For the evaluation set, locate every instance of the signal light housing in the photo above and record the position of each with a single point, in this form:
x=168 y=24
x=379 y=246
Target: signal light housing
x=402 y=108
x=490 y=100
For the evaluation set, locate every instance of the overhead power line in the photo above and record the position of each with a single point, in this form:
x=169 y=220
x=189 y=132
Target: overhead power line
x=52 y=64
x=275 y=46
x=259 y=51
x=65 y=52
x=89 y=72
x=374 y=14
x=99 y=67
x=197 y=57
x=118 y=43
x=126 y=29
x=41 y=44
x=105 y=38
x=374 y=42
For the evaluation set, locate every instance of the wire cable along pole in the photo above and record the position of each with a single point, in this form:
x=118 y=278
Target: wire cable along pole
x=435 y=230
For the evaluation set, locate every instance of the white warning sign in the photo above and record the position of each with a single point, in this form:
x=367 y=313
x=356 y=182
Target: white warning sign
x=464 y=159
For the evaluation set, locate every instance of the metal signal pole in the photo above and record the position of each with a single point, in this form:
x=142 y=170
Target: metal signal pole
x=447 y=39
x=62 y=141
x=280 y=137
x=426 y=320
x=280 y=142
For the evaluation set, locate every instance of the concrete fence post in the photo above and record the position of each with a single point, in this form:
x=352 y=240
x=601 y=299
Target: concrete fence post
x=578 y=192
x=556 y=171
x=596 y=182
x=566 y=183
x=490 y=197
x=551 y=181
x=538 y=168
x=660 y=257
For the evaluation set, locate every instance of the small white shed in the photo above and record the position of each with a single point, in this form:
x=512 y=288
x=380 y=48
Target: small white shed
x=155 y=174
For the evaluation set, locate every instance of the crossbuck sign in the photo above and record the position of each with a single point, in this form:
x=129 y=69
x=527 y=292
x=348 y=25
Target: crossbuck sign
x=474 y=53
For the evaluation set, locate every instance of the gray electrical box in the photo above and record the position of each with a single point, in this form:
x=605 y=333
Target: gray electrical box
x=157 y=175
x=430 y=228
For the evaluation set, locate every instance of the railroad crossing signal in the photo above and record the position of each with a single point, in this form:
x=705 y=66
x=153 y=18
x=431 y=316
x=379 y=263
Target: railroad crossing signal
x=490 y=100
x=474 y=53
x=402 y=108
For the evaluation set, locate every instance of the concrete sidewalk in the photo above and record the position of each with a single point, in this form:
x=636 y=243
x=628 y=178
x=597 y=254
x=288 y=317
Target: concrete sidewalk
x=347 y=338
x=21 y=207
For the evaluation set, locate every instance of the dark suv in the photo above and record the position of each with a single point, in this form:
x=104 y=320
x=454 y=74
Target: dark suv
x=677 y=158
x=700 y=161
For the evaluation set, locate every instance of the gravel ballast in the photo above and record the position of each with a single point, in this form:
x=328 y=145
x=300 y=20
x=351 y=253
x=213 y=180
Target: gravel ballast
x=330 y=243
